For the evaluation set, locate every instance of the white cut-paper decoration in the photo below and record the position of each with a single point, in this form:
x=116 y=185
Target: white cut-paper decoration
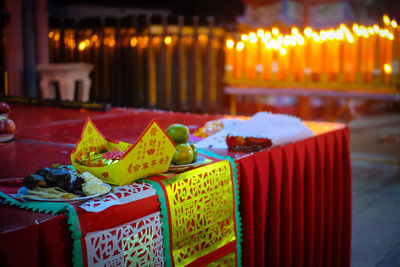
x=137 y=243
x=118 y=196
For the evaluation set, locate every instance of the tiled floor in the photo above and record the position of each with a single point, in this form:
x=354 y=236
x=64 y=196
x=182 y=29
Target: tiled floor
x=376 y=192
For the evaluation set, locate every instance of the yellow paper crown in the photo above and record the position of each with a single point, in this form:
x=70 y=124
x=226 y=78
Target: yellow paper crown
x=150 y=154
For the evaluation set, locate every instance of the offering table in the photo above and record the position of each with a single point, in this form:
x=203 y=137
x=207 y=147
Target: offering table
x=295 y=200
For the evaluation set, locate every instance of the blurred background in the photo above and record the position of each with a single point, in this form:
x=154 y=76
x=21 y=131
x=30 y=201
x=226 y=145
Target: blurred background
x=192 y=57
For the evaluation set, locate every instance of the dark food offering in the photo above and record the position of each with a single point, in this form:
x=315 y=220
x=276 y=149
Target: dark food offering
x=238 y=143
x=33 y=180
x=60 y=177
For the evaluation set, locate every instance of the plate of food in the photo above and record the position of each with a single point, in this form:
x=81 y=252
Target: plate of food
x=6 y=137
x=61 y=185
x=200 y=160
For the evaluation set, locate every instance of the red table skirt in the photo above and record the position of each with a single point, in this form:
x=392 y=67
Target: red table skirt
x=295 y=207
x=296 y=203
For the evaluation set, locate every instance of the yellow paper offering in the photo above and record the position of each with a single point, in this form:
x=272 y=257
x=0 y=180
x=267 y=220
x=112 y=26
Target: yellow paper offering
x=119 y=163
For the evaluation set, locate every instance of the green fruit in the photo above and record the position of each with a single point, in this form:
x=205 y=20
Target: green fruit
x=183 y=154
x=194 y=148
x=179 y=133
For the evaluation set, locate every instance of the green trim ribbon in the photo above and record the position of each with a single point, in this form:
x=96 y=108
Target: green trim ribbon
x=164 y=220
x=164 y=210
x=237 y=201
x=56 y=208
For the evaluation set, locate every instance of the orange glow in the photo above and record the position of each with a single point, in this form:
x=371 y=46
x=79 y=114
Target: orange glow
x=133 y=41
x=203 y=38
x=94 y=37
x=111 y=43
x=57 y=37
x=51 y=34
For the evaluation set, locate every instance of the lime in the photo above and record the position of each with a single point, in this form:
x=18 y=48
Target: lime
x=183 y=154
x=194 y=148
x=179 y=133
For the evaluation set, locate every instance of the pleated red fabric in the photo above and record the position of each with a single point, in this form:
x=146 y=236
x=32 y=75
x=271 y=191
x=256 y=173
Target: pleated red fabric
x=301 y=203
x=246 y=208
x=261 y=186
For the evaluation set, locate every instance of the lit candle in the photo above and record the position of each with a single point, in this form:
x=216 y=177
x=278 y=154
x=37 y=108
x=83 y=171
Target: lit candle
x=315 y=56
x=251 y=56
x=239 y=59
x=229 y=58
x=266 y=61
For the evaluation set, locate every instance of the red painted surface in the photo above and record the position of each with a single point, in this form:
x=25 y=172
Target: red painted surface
x=47 y=135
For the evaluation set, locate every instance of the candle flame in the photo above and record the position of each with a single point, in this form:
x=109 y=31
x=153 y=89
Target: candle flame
x=308 y=32
x=56 y=37
x=51 y=34
x=300 y=40
x=282 y=51
x=133 y=42
x=82 y=46
x=322 y=35
x=286 y=40
x=167 y=40
x=94 y=37
x=387 y=68
x=356 y=29
x=295 y=31
x=371 y=30
x=275 y=31
x=339 y=35
x=344 y=29
x=230 y=43
x=315 y=36
x=376 y=28
x=260 y=33
x=386 y=19
x=364 y=32
x=244 y=37
x=349 y=38
x=394 y=24
x=252 y=37
x=239 y=46
x=111 y=43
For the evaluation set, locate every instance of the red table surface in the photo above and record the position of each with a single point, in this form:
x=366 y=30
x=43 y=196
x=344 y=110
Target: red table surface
x=295 y=199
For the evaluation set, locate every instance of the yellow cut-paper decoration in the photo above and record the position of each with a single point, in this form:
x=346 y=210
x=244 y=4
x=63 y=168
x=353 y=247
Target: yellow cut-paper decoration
x=150 y=154
x=202 y=211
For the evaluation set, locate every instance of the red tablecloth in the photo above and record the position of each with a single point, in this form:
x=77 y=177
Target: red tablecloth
x=295 y=199
x=296 y=203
